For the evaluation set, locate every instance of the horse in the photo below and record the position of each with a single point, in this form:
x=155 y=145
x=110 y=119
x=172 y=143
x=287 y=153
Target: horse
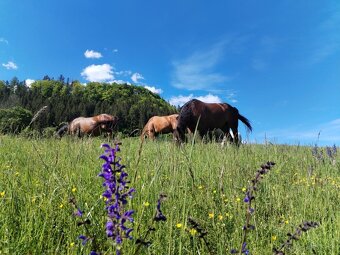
x=159 y=125
x=207 y=117
x=94 y=126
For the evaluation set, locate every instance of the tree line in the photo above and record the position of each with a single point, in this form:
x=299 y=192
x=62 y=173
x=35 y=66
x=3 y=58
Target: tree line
x=66 y=100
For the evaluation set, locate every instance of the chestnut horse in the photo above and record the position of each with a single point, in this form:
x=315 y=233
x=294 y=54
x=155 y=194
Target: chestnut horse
x=159 y=125
x=207 y=117
x=94 y=126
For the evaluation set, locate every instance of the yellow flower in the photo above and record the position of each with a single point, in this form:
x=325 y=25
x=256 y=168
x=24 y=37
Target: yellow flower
x=211 y=215
x=16 y=173
x=244 y=189
x=214 y=191
x=74 y=189
x=200 y=187
x=227 y=214
x=193 y=231
x=2 y=194
x=238 y=199
x=274 y=238
x=220 y=217
x=286 y=221
x=226 y=200
x=61 y=206
x=178 y=225
x=33 y=199
x=146 y=203
x=72 y=244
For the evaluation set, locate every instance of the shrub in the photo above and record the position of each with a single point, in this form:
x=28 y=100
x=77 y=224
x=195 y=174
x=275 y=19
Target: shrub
x=13 y=120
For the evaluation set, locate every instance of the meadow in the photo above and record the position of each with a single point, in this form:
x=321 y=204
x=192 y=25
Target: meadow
x=204 y=186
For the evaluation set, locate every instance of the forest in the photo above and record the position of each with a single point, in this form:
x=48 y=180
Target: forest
x=62 y=101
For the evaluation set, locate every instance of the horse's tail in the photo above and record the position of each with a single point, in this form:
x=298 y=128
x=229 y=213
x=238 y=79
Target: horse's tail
x=61 y=131
x=144 y=131
x=246 y=122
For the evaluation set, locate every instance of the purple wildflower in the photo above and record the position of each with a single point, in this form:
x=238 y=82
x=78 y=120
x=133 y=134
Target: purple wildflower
x=116 y=193
x=159 y=215
x=84 y=239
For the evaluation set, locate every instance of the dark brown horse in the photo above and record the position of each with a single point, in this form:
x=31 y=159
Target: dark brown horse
x=159 y=125
x=207 y=117
x=94 y=126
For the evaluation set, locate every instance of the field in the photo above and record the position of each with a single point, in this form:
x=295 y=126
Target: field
x=203 y=182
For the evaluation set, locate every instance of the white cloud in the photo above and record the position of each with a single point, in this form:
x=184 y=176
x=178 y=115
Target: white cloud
x=115 y=50
x=324 y=134
x=29 y=82
x=198 y=70
x=92 y=54
x=136 y=77
x=231 y=96
x=180 y=100
x=3 y=40
x=10 y=65
x=154 y=90
x=98 y=73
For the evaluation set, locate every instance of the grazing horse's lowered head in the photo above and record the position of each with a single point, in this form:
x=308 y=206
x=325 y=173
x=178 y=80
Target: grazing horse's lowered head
x=159 y=125
x=207 y=117
x=95 y=126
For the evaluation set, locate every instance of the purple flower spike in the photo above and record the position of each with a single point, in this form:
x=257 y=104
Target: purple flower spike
x=116 y=194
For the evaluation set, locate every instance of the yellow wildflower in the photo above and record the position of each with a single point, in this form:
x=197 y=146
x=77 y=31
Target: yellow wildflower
x=2 y=194
x=220 y=217
x=211 y=215
x=178 y=225
x=286 y=221
x=238 y=199
x=61 y=206
x=274 y=238
x=200 y=187
x=214 y=191
x=72 y=244
x=146 y=203
x=193 y=231
x=244 y=189
x=74 y=189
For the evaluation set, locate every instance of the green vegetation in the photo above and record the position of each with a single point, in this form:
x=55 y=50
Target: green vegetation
x=203 y=181
x=65 y=101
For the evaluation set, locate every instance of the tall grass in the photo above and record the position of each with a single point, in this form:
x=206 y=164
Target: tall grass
x=203 y=182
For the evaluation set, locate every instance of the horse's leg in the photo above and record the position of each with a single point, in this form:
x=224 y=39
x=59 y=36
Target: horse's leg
x=235 y=133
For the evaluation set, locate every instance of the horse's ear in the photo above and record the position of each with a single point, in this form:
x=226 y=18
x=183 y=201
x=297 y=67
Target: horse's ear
x=177 y=117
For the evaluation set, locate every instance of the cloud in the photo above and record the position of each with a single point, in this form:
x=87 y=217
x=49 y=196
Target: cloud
x=115 y=50
x=180 y=100
x=231 y=96
x=98 y=73
x=10 y=65
x=197 y=71
x=3 y=40
x=325 y=134
x=28 y=82
x=154 y=90
x=328 y=40
x=92 y=54
x=136 y=77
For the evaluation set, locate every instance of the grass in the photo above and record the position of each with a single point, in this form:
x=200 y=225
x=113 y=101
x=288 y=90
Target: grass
x=201 y=181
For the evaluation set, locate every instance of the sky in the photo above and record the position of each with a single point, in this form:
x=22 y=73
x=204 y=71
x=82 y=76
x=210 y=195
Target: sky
x=278 y=62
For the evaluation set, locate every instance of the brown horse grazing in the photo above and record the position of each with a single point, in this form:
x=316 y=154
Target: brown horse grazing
x=207 y=117
x=159 y=125
x=95 y=126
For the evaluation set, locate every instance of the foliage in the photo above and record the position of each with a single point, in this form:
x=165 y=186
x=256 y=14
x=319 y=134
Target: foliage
x=204 y=183
x=13 y=120
x=134 y=105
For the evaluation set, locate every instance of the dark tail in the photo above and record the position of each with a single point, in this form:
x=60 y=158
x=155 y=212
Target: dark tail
x=61 y=131
x=246 y=122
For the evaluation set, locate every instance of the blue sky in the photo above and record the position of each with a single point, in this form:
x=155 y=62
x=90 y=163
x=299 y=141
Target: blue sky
x=278 y=62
